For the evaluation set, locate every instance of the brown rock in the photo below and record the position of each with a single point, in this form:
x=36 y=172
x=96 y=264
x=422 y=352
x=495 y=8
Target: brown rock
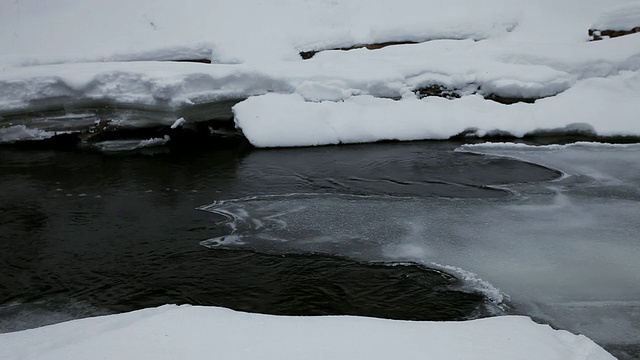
x=597 y=34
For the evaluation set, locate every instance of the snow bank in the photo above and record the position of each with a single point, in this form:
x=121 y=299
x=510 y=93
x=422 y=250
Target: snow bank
x=289 y=120
x=622 y=17
x=188 y=332
x=497 y=48
x=229 y=31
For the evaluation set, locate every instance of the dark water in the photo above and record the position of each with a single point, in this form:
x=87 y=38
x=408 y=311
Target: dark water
x=84 y=233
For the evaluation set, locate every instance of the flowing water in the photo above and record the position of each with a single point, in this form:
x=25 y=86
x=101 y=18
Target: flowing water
x=423 y=230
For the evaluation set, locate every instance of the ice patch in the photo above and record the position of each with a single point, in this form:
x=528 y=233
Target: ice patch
x=586 y=145
x=129 y=145
x=563 y=241
x=475 y=283
x=231 y=239
x=181 y=121
x=15 y=133
x=318 y=223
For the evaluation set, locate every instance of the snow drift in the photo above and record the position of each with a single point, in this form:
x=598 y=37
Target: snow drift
x=187 y=332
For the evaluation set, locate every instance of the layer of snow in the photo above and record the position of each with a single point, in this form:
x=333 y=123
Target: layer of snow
x=230 y=31
x=253 y=31
x=622 y=17
x=288 y=120
x=509 y=69
x=507 y=48
x=186 y=332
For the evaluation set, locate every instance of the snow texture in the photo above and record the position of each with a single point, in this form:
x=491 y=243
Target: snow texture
x=364 y=118
x=188 y=332
x=623 y=17
x=97 y=52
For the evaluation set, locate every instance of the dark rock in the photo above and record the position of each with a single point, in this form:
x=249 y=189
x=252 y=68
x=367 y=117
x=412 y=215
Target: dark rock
x=597 y=34
x=305 y=55
x=508 y=100
x=437 y=90
x=449 y=93
x=203 y=61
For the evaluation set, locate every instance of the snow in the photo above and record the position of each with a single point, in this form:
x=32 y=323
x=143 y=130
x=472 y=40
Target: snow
x=190 y=332
x=228 y=31
x=181 y=121
x=621 y=17
x=97 y=52
x=365 y=118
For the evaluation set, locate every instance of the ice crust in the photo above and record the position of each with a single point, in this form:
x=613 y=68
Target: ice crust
x=190 y=332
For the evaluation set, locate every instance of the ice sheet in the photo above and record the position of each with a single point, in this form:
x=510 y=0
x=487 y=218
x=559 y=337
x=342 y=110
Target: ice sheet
x=549 y=244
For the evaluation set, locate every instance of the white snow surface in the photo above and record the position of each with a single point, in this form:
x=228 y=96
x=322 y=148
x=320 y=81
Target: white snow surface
x=68 y=52
x=365 y=118
x=190 y=332
x=622 y=17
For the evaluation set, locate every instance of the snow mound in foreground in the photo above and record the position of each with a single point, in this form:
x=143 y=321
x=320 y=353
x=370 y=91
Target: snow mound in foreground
x=192 y=332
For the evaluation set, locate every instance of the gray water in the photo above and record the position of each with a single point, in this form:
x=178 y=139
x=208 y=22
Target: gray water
x=410 y=230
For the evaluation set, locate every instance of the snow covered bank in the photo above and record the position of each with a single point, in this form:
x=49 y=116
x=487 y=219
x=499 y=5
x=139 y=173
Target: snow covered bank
x=623 y=18
x=187 y=332
x=94 y=54
x=583 y=108
x=230 y=31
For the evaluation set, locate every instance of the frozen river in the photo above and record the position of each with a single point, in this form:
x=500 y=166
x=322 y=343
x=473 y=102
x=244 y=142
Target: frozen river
x=424 y=230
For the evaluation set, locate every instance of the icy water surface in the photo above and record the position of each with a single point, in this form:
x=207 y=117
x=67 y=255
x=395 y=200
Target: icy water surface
x=425 y=230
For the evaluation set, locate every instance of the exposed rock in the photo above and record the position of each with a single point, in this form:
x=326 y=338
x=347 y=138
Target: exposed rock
x=597 y=34
x=204 y=61
x=508 y=100
x=305 y=55
x=449 y=93
x=437 y=90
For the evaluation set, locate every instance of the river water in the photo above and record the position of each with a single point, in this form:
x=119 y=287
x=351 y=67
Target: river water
x=422 y=230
